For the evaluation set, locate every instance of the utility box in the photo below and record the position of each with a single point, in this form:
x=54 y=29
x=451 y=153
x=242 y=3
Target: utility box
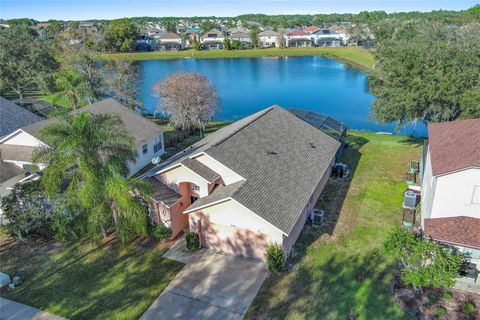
x=410 y=199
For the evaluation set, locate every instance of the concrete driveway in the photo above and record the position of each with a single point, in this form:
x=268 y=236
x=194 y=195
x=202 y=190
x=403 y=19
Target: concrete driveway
x=11 y=310
x=210 y=286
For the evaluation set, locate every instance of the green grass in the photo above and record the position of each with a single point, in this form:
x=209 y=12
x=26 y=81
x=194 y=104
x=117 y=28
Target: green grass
x=82 y=281
x=355 y=56
x=62 y=101
x=340 y=270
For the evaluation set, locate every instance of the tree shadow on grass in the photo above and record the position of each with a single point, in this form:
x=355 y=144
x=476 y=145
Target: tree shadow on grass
x=331 y=200
x=339 y=287
x=411 y=141
x=108 y=283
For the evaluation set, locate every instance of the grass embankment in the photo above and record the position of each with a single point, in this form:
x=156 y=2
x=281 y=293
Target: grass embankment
x=340 y=270
x=355 y=56
x=83 y=281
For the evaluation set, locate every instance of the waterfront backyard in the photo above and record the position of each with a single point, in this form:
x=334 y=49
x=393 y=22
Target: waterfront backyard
x=339 y=271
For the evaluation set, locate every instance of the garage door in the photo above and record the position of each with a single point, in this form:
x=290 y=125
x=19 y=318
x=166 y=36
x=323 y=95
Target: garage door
x=233 y=240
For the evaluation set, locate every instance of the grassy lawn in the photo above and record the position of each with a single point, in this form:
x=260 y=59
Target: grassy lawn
x=82 y=281
x=339 y=270
x=355 y=56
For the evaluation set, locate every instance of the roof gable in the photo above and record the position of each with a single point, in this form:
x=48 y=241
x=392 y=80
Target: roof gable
x=454 y=145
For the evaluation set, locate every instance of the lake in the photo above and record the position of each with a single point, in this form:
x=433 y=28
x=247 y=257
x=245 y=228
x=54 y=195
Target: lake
x=246 y=85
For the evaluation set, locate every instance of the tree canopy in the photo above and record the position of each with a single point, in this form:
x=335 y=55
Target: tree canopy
x=189 y=98
x=87 y=160
x=121 y=35
x=427 y=71
x=25 y=62
x=423 y=262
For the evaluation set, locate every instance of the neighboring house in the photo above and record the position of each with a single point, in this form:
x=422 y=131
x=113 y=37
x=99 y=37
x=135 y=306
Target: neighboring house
x=170 y=42
x=13 y=117
x=212 y=40
x=17 y=147
x=450 y=202
x=243 y=38
x=155 y=32
x=311 y=29
x=247 y=185
x=326 y=38
x=269 y=38
x=298 y=39
x=145 y=43
x=341 y=32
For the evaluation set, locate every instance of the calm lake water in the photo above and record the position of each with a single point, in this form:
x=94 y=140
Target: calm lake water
x=247 y=85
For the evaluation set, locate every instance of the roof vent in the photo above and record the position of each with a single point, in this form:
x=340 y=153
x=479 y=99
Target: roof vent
x=271 y=152
x=312 y=145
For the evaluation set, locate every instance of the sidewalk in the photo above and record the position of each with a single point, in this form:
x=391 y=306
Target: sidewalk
x=11 y=310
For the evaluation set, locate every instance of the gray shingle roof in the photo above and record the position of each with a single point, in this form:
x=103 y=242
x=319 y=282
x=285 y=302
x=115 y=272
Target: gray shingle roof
x=163 y=193
x=16 y=152
x=220 y=193
x=268 y=33
x=281 y=157
x=140 y=128
x=201 y=169
x=13 y=117
x=8 y=171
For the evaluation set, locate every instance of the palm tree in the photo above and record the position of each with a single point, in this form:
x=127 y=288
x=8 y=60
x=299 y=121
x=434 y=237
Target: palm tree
x=73 y=86
x=87 y=161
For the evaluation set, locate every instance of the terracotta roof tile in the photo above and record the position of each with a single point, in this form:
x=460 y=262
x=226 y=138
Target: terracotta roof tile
x=297 y=33
x=455 y=230
x=454 y=145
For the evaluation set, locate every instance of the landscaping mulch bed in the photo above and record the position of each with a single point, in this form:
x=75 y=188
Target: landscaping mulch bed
x=424 y=306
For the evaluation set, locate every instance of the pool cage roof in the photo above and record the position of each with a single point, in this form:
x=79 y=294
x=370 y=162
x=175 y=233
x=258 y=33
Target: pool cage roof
x=326 y=124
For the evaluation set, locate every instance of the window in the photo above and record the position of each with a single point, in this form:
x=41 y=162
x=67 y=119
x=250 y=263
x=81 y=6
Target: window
x=158 y=146
x=195 y=188
x=145 y=148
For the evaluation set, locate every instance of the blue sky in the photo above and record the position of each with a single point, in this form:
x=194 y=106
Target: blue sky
x=108 y=9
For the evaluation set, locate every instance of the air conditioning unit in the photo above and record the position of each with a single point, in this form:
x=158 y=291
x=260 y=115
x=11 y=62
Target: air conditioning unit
x=410 y=199
x=317 y=216
x=156 y=160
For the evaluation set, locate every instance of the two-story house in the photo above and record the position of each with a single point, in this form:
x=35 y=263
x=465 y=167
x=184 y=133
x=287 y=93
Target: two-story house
x=450 y=196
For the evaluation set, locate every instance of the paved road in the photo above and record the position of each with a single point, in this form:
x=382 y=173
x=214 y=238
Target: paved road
x=210 y=286
x=11 y=310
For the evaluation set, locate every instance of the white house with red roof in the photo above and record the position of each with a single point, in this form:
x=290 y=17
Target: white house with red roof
x=450 y=202
x=298 y=39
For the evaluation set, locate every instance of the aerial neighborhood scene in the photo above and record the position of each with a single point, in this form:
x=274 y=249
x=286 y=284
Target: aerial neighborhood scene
x=244 y=159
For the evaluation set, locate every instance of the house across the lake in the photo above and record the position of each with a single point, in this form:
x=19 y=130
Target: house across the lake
x=247 y=185
x=16 y=148
x=212 y=40
x=450 y=199
x=269 y=39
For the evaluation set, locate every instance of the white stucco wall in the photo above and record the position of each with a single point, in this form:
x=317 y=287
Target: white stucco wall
x=179 y=174
x=428 y=188
x=228 y=176
x=232 y=214
x=144 y=159
x=453 y=194
x=21 y=138
x=270 y=39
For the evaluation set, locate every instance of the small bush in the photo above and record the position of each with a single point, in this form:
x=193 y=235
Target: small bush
x=275 y=258
x=469 y=308
x=161 y=232
x=447 y=295
x=440 y=312
x=193 y=242
x=432 y=297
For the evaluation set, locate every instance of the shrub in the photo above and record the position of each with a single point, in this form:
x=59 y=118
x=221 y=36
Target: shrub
x=447 y=295
x=193 y=242
x=440 y=312
x=432 y=297
x=63 y=226
x=275 y=258
x=469 y=308
x=160 y=231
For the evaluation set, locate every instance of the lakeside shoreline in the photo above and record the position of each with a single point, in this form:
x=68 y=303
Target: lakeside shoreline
x=355 y=57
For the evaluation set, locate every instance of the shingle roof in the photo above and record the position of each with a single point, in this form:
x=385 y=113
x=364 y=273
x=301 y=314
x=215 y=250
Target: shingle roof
x=282 y=159
x=297 y=33
x=163 y=193
x=140 y=128
x=8 y=171
x=16 y=152
x=268 y=33
x=240 y=35
x=169 y=36
x=201 y=169
x=220 y=193
x=13 y=117
x=455 y=230
x=454 y=145
x=311 y=29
